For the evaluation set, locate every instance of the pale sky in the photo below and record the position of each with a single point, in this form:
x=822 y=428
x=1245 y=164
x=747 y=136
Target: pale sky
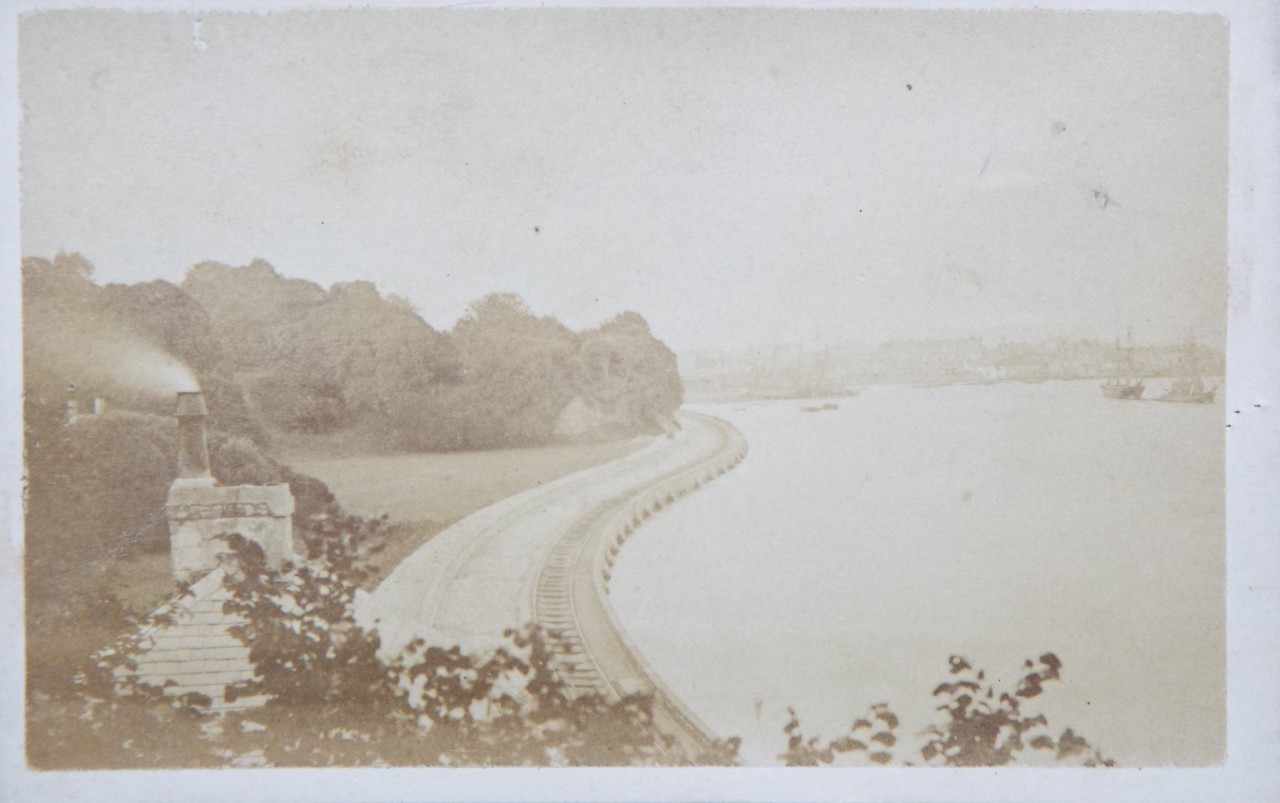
x=735 y=177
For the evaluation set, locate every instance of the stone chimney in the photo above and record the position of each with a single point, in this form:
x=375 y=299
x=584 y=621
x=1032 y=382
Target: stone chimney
x=202 y=514
x=193 y=448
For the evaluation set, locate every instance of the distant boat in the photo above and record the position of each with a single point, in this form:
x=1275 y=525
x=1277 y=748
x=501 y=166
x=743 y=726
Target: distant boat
x=1190 y=388
x=1127 y=388
x=1123 y=389
x=819 y=409
x=1189 y=391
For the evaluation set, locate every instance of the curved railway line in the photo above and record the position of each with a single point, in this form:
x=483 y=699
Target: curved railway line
x=545 y=556
x=592 y=650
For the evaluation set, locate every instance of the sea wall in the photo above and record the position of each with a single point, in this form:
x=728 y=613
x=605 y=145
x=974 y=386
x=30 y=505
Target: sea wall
x=691 y=735
x=622 y=525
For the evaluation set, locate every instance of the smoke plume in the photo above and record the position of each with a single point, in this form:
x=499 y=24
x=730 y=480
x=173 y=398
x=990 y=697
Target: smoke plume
x=142 y=367
x=107 y=360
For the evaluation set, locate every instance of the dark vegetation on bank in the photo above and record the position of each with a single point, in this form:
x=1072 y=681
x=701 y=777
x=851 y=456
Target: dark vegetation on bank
x=276 y=358
x=285 y=355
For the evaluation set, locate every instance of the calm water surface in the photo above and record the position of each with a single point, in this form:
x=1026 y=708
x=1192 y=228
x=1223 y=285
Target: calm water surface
x=856 y=549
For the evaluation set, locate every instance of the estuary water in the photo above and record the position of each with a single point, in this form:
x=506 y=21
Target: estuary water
x=856 y=549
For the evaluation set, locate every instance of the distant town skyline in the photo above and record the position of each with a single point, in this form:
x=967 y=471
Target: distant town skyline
x=736 y=177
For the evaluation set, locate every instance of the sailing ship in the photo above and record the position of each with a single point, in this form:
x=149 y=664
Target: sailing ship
x=1127 y=387
x=1191 y=391
x=1189 y=388
x=1123 y=389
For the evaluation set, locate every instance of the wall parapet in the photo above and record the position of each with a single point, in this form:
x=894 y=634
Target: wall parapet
x=594 y=652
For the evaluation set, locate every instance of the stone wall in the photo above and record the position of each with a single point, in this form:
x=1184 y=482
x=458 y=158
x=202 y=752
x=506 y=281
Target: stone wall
x=200 y=518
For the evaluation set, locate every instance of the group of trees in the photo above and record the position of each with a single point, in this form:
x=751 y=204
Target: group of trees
x=324 y=361
x=273 y=353
x=115 y=341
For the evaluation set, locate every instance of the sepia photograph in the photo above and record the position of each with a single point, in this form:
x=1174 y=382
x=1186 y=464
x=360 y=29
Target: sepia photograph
x=626 y=387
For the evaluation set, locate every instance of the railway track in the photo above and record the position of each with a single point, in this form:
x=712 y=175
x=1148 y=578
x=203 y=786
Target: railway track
x=545 y=555
x=445 y=588
x=592 y=651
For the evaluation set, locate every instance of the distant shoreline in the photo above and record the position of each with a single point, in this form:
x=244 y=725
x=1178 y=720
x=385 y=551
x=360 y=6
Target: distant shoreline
x=701 y=396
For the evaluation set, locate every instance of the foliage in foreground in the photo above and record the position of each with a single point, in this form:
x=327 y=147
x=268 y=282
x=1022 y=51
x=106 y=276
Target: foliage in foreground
x=985 y=726
x=335 y=701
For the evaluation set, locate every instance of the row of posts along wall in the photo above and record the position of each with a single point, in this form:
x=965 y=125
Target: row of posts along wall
x=618 y=528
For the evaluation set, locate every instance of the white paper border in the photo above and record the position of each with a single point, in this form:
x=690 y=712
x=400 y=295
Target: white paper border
x=1252 y=768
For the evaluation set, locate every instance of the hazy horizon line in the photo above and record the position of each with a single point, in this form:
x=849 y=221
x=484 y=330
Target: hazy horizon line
x=990 y=336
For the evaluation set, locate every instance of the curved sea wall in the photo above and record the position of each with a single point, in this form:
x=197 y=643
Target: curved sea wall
x=593 y=651
x=545 y=555
x=618 y=528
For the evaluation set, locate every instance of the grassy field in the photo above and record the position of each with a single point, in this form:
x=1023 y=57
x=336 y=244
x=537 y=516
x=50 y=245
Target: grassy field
x=423 y=494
